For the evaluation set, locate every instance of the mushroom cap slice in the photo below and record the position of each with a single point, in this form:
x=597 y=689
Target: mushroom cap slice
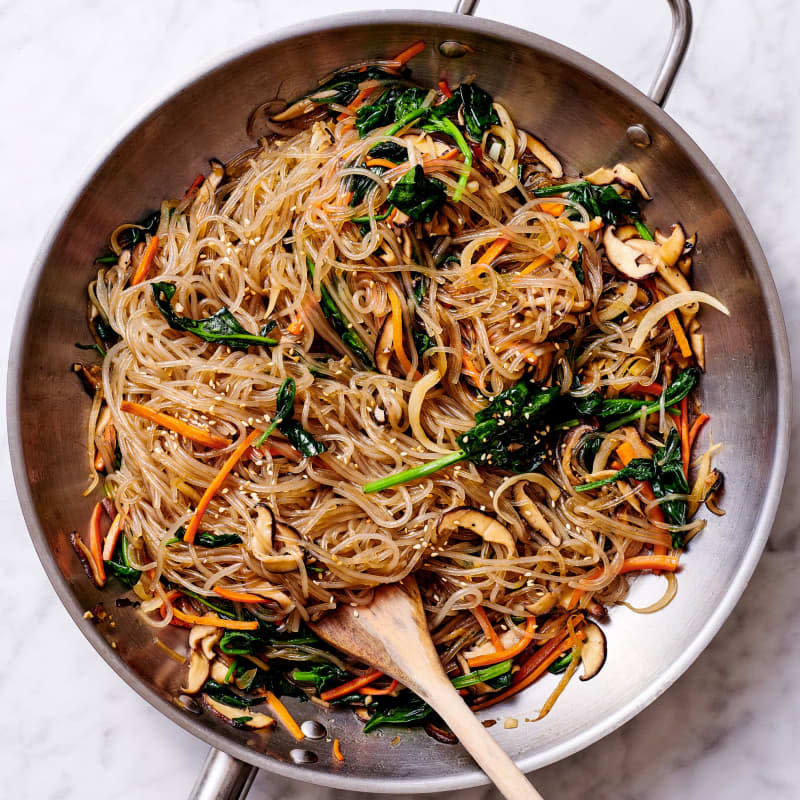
x=593 y=652
x=621 y=174
x=672 y=246
x=257 y=720
x=198 y=673
x=626 y=257
x=532 y=515
x=544 y=155
x=383 y=346
x=489 y=529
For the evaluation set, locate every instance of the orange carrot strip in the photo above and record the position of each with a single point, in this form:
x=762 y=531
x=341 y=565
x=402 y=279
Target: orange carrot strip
x=445 y=89
x=554 y=209
x=357 y=101
x=397 y=334
x=362 y=680
x=488 y=631
x=695 y=429
x=76 y=540
x=337 y=751
x=684 y=432
x=638 y=563
x=386 y=689
x=380 y=162
x=543 y=259
x=626 y=453
x=564 y=645
x=511 y=652
x=216 y=484
x=494 y=250
x=680 y=336
x=282 y=713
x=409 y=53
x=195 y=185
x=111 y=538
x=238 y=597
x=297 y=327
x=96 y=541
x=218 y=622
x=179 y=426
x=528 y=666
x=147 y=260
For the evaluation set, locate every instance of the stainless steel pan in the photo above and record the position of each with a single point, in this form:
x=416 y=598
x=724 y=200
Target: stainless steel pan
x=590 y=116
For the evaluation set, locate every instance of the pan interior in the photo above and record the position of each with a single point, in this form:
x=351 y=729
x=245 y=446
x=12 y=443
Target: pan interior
x=582 y=113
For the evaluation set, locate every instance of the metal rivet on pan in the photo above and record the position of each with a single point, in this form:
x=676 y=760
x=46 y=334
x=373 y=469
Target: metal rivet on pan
x=452 y=49
x=638 y=135
x=313 y=729
x=302 y=756
x=190 y=704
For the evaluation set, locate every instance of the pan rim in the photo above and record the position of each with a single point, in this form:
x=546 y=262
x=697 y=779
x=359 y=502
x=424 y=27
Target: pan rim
x=472 y=776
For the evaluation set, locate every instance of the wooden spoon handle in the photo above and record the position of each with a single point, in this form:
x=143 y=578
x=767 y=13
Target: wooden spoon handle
x=480 y=744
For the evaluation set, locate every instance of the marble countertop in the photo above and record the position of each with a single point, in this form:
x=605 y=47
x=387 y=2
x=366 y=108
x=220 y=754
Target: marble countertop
x=71 y=73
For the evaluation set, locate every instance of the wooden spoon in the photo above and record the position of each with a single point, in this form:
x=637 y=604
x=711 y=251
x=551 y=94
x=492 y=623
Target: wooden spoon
x=390 y=634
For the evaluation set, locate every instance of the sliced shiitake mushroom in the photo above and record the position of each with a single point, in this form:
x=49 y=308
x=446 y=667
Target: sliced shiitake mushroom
x=204 y=637
x=383 y=346
x=91 y=376
x=698 y=345
x=672 y=246
x=198 y=672
x=267 y=532
x=219 y=671
x=544 y=605
x=257 y=720
x=488 y=528
x=593 y=653
x=532 y=515
x=263 y=531
x=544 y=155
x=621 y=174
x=625 y=257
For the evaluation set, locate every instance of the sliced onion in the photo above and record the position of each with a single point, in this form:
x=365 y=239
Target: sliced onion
x=663 y=307
x=622 y=303
x=415 y=400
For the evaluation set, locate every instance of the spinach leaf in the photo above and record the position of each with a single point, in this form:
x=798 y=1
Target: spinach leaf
x=240 y=643
x=339 y=322
x=408 y=100
x=417 y=195
x=360 y=185
x=222 y=694
x=405 y=709
x=633 y=409
x=301 y=439
x=120 y=566
x=276 y=682
x=557 y=667
x=94 y=346
x=482 y=675
x=130 y=237
x=104 y=332
x=478 y=112
x=112 y=258
x=577 y=265
x=377 y=114
x=422 y=341
x=669 y=478
x=206 y=539
x=640 y=469
x=322 y=676
x=600 y=201
x=391 y=151
x=343 y=87
x=222 y=327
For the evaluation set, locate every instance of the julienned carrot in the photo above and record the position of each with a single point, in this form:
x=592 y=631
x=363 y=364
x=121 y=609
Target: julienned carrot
x=494 y=250
x=112 y=537
x=238 y=597
x=409 y=53
x=626 y=453
x=351 y=686
x=542 y=664
x=445 y=89
x=638 y=563
x=511 y=652
x=554 y=209
x=174 y=424
x=380 y=162
x=147 y=260
x=216 y=484
x=357 y=101
x=96 y=541
x=195 y=185
x=218 y=622
x=397 y=334
x=488 y=631
x=545 y=258
x=695 y=429
x=282 y=713
x=684 y=432
x=370 y=690
x=337 y=751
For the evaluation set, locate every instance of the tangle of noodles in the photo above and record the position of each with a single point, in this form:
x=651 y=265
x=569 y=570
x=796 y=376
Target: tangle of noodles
x=503 y=285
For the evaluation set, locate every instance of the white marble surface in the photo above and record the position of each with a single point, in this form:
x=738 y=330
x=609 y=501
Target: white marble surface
x=72 y=71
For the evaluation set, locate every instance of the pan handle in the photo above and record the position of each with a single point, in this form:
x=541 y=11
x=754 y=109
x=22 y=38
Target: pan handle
x=673 y=58
x=223 y=777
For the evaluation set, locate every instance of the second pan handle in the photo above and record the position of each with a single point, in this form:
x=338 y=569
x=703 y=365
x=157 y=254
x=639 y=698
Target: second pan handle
x=673 y=58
